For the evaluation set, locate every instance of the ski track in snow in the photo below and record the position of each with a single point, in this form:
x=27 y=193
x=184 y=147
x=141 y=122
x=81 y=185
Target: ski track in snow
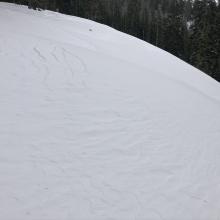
x=90 y=131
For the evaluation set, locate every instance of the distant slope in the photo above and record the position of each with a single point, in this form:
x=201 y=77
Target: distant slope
x=96 y=124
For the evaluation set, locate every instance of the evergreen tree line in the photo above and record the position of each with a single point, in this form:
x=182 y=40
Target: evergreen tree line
x=189 y=29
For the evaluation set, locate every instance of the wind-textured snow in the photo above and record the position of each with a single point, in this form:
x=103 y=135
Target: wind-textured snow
x=98 y=125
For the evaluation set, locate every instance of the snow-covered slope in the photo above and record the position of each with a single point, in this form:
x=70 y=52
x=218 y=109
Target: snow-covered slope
x=98 y=125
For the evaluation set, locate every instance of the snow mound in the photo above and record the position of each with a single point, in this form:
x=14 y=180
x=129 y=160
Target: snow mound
x=96 y=124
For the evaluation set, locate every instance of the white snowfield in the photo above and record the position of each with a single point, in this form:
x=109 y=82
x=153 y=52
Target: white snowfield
x=98 y=125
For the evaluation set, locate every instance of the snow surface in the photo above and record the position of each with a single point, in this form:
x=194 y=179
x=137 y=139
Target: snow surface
x=99 y=125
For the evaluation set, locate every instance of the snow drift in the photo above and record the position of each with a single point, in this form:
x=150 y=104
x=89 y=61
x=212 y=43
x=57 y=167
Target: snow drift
x=96 y=124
